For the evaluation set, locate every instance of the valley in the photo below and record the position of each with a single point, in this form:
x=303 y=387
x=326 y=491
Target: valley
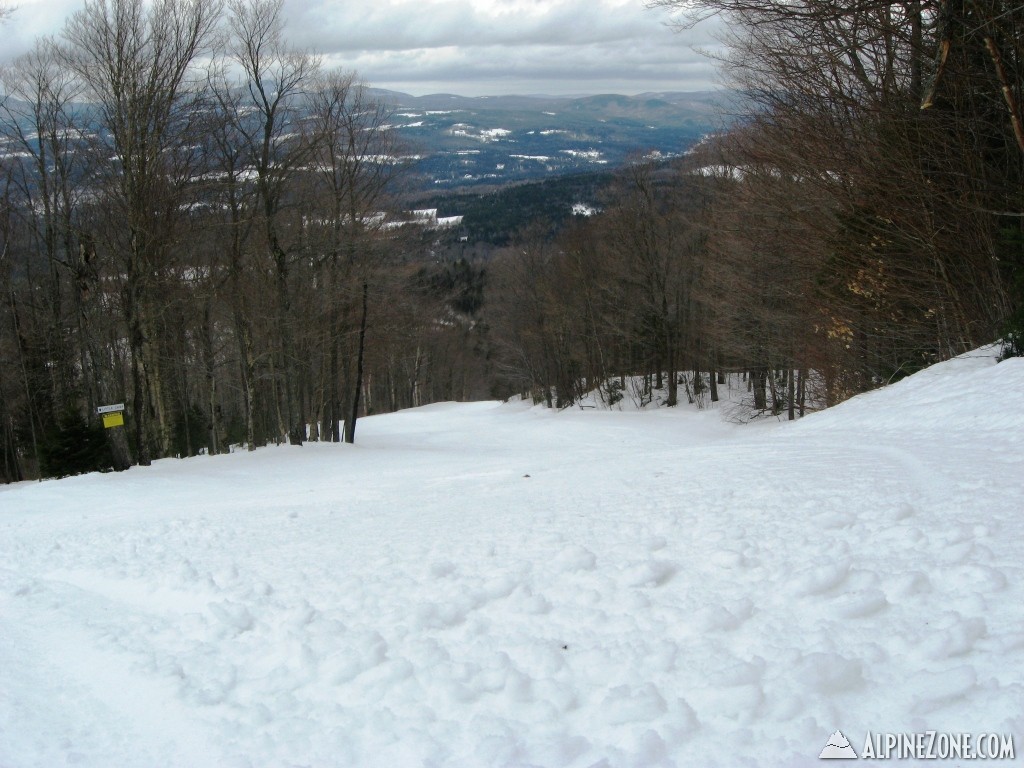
x=481 y=143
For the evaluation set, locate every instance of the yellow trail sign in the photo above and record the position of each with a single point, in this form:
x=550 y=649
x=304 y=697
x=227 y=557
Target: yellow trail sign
x=114 y=419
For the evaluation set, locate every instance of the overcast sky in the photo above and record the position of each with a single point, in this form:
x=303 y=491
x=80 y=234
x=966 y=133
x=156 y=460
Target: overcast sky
x=473 y=47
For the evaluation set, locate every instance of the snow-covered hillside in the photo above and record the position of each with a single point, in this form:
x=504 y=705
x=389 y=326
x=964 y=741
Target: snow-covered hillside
x=498 y=585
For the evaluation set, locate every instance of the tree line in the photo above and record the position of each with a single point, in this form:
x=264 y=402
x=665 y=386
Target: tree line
x=195 y=222
x=861 y=219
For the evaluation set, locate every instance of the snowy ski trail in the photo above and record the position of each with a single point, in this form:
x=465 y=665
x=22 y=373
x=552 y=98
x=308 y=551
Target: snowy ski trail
x=489 y=584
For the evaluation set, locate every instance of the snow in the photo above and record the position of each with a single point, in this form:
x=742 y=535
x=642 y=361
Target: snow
x=487 y=584
x=594 y=155
x=483 y=134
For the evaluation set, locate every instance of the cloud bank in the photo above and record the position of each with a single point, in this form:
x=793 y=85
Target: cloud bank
x=472 y=47
x=480 y=47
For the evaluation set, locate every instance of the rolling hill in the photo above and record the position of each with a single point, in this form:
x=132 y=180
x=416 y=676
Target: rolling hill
x=486 y=142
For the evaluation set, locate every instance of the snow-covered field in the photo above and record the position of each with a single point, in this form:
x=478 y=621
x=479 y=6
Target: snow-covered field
x=498 y=585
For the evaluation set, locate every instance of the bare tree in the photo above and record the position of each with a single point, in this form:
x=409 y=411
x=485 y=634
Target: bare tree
x=651 y=229
x=38 y=117
x=898 y=202
x=355 y=157
x=135 y=61
x=276 y=80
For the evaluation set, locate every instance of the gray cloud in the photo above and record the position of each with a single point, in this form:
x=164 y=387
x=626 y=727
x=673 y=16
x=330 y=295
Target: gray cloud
x=33 y=19
x=475 y=48
x=340 y=25
x=472 y=47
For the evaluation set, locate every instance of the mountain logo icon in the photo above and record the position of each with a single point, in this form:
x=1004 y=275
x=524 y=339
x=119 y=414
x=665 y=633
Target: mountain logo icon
x=838 y=748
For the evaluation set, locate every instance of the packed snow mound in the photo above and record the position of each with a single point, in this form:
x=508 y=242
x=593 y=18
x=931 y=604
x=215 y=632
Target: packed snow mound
x=490 y=584
x=973 y=391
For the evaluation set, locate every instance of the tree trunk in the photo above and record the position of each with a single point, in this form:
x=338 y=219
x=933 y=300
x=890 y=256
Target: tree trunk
x=776 y=403
x=350 y=423
x=758 y=381
x=334 y=410
x=248 y=366
x=154 y=379
x=25 y=381
x=290 y=417
x=673 y=379
x=11 y=471
x=213 y=429
x=140 y=408
x=415 y=394
x=791 y=394
x=117 y=440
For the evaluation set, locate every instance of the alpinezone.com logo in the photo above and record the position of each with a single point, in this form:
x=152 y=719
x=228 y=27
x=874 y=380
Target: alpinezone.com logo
x=925 y=745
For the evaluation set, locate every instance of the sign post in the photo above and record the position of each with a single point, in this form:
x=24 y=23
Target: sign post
x=113 y=415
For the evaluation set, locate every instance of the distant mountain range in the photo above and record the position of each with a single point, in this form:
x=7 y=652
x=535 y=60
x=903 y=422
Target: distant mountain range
x=491 y=141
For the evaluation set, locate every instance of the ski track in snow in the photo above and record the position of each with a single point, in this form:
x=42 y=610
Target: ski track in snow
x=498 y=585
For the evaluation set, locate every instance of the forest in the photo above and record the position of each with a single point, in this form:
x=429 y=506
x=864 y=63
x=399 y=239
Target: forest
x=206 y=224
